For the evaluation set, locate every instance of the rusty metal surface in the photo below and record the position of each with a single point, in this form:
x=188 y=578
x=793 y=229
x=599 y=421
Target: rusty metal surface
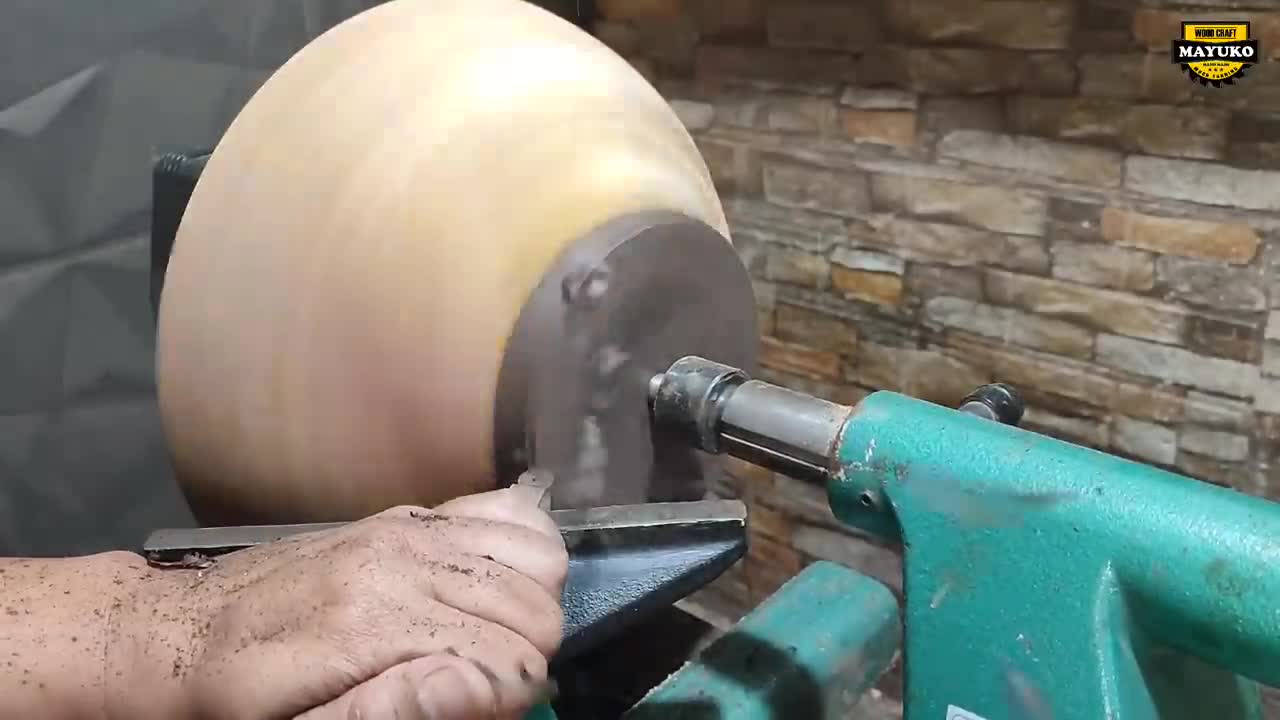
x=620 y=305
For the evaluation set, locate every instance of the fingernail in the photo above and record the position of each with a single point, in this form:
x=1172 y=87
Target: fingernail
x=445 y=694
x=541 y=497
x=539 y=477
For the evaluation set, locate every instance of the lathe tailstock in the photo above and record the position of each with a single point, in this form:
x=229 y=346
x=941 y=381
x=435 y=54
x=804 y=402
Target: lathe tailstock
x=1042 y=579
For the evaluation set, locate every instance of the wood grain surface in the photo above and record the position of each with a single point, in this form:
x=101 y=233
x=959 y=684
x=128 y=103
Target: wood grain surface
x=353 y=259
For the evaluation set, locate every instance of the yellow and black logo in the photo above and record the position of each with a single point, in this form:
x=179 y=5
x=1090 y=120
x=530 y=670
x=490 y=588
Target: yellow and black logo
x=1215 y=53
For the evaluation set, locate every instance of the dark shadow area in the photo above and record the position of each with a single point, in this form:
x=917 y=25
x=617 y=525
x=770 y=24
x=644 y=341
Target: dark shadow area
x=606 y=683
x=173 y=179
x=619 y=578
x=789 y=690
x=1186 y=688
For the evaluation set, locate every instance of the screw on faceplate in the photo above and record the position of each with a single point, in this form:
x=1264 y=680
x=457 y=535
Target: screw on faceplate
x=585 y=287
x=996 y=401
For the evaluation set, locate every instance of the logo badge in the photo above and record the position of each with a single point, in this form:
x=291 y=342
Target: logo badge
x=1215 y=53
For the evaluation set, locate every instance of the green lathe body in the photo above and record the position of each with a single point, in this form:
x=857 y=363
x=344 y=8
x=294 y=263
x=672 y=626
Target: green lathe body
x=1043 y=581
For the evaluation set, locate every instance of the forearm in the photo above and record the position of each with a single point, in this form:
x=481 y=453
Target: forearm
x=55 y=625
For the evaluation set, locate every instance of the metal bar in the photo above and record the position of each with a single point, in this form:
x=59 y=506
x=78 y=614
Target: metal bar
x=171 y=545
x=718 y=409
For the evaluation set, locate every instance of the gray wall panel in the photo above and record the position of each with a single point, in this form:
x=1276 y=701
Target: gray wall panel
x=90 y=92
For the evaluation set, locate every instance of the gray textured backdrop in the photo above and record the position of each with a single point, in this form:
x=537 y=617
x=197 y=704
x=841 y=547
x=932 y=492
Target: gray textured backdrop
x=90 y=91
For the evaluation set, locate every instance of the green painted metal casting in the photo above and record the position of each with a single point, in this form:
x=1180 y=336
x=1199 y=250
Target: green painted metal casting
x=808 y=652
x=1048 y=581
x=541 y=712
x=1043 y=581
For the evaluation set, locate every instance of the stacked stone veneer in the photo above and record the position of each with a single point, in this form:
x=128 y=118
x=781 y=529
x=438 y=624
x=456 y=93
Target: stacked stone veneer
x=933 y=194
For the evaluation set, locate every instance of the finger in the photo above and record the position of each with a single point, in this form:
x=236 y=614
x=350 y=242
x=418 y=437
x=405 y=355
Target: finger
x=514 y=667
x=534 y=554
x=517 y=505
x=348 y=646
x=439 y=687
x=490 y=591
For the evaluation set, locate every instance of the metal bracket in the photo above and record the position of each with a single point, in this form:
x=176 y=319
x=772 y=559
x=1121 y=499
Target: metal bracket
x=173 y=179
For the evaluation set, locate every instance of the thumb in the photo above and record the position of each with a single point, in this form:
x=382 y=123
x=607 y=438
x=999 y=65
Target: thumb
x=438 y=687
x=517 y=505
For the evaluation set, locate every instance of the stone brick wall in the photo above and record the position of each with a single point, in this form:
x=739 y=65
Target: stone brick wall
x=933 y=194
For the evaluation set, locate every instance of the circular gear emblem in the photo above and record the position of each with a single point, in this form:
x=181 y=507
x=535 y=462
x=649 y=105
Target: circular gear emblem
x=1215 y=53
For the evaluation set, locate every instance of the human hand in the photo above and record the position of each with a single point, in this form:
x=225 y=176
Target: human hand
x=412 y=613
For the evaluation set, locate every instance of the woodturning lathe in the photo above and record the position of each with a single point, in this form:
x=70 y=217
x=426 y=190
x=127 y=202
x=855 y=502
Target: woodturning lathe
x=453 y=239
x=442 y=238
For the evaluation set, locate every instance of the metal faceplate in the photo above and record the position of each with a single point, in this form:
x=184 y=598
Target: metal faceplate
x=618 y=307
